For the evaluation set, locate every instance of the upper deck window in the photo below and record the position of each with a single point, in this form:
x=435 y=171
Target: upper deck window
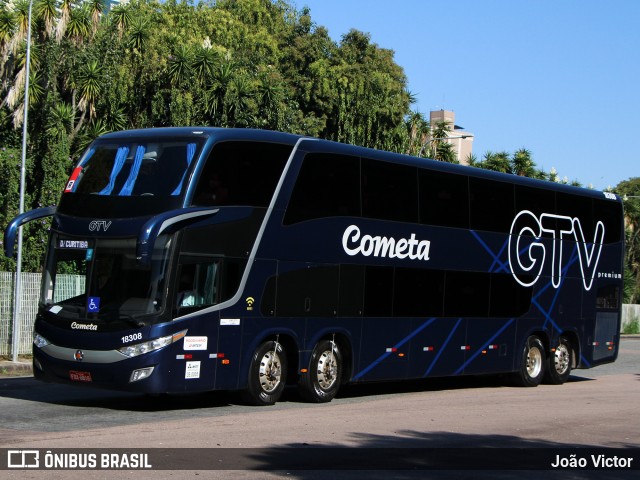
x=241 y=173
x=132 y=168
x=131 y=176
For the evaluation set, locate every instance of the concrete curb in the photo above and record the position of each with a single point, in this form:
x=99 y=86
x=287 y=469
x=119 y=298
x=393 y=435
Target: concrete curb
x=20 y=368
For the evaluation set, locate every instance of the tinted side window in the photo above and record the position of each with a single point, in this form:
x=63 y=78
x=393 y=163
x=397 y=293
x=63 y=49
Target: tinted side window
x=610 y=213
x=389 y=191
x=328 y=185
x=378 y=296
x=491 y=205
x=508 y=297
x=418 y=292
x=351 y=290
x=241 y=173
x=535 y=200
x=578 y=207
x=307 y=292
x=444 y=199
x=466 y=294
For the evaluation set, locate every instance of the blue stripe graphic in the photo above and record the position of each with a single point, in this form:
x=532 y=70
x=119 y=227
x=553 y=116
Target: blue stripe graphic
x=441 y=350
x=397 y=345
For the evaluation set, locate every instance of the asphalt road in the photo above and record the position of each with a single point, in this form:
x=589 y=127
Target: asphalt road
x=596 y=408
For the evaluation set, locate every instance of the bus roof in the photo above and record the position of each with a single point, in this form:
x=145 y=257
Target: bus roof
x=217 y=132
x=223 y=134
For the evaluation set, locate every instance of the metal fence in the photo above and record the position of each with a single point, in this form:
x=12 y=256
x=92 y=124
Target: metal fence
x=67 y=285
x=630 y=313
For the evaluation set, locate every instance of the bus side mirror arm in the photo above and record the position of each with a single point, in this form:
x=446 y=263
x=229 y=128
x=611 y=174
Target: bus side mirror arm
x=11 y=232
x=167 y=222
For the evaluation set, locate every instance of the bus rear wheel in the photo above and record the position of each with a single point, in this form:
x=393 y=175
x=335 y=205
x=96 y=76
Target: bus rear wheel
x=559 y=364
x=533 y=364
x=322 y=381
x=267 y=374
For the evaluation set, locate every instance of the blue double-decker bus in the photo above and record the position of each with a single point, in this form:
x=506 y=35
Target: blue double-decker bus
x=197 y=259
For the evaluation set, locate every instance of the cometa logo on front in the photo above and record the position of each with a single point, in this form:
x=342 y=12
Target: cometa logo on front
x=83 y=326
x=354 y=243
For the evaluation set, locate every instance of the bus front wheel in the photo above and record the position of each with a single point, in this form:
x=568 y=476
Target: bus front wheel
x=321 y=382
x=533 y=362
x=267 y=374
x=559 y=364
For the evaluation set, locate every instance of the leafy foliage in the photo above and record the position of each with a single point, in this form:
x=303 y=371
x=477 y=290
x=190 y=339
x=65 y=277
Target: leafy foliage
x=630 y=192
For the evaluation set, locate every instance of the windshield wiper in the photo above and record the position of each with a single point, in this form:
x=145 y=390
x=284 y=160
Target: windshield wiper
x=131 y=320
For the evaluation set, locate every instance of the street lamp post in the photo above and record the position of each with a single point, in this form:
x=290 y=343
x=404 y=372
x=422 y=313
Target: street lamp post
x=424 y=146
x=15 y=344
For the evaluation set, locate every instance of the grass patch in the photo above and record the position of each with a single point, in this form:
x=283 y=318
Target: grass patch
x=633 y=327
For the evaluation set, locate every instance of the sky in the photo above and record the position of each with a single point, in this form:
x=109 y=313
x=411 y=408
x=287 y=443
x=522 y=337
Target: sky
x=560 y=78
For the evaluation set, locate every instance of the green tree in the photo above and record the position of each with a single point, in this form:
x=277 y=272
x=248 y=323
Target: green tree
x=630 y=192
x=497 y=162
x=522 y=164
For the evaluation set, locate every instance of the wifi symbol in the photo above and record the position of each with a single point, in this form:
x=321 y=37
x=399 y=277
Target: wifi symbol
x=250 y=301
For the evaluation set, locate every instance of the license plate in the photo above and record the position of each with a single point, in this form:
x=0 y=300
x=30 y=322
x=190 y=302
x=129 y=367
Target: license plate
x=80 y=376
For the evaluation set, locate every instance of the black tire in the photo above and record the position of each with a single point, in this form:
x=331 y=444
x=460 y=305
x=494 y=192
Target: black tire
x=267 y=374
x=559 y=363
x=533 y=364
x=322 y=381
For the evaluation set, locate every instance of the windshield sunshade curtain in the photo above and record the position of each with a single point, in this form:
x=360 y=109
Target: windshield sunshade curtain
x=191 y=150
x=121 y=156
x=133 y=174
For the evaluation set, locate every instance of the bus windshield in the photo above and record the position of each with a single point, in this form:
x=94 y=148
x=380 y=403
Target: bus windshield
x=100 y=280
x=120 y=176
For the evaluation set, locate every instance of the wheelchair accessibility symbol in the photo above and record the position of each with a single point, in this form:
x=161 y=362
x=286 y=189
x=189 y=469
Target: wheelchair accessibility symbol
x=93 y=304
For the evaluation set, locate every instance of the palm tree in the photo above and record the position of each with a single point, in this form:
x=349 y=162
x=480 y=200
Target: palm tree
x=60 y=120
x=216 y=94
x=65 y=14
x=472 y=160
x=21 y=18
x=498 y=162
x=205 y=63
x=180 y=66
x=138 y=33
x=15 y=93
x=79 y=25
x=522 y=163
x=271 y=97
x=121 y=16
x=239 y=101
x=95 y=8
x=418 y=133
x=46 y=10
x=436 y=146
x=89 y=86
x=7 y=30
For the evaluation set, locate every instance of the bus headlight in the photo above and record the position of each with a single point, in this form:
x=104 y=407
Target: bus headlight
x=151 y=345
x=39 y=341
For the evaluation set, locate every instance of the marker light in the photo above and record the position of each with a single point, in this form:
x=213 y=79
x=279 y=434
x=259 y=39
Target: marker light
x=151 y=345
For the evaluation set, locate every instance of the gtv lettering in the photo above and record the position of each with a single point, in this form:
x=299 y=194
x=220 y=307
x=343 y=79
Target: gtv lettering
x=99 y=225
x=528 y=255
